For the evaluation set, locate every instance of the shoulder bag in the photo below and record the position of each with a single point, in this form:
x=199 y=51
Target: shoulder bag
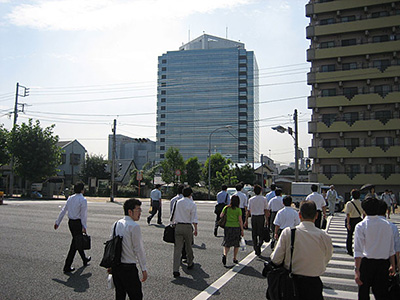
x=222 y=221
x=355 y=206
x=83 y=242
x=112 y=251
x=169 y=231
x=281 y=285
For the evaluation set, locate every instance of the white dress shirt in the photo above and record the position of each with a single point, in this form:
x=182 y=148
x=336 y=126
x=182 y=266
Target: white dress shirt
x=276 y=203
x=132 y=242
x=287 y=217
x=257 y=205
x=155 y=195
x=331 y=195
x=185 y=211
x=317 y=199
x=77 y=209
x=173 y=200
x=312 y=250
x=396 y=236
x=373 y=238
x=243 y=199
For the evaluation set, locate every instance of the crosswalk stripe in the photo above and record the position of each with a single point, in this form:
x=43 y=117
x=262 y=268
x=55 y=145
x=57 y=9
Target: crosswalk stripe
x=328 y=293
x=340 y=271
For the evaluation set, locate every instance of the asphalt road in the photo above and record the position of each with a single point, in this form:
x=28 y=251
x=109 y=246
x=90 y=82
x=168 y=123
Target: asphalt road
x=32 y=255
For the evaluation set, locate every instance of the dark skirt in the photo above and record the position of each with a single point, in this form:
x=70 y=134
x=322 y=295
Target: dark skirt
x=231 y=237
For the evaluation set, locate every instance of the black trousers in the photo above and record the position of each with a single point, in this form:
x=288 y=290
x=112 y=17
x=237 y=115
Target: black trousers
x=257 y=231
x=309 y=288
x=155 y=207
x=75 y=226
x=271 y=223
x=318 y=220
x=374 y=273
x=349 y=240
x=243 y=215
x=126 y=281
x=218 y=211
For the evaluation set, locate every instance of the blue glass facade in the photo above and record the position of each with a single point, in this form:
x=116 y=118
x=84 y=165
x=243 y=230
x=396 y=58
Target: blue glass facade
x=201 y=90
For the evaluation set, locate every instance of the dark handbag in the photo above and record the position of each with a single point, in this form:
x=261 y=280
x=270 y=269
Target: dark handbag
x=83 y=242
x=394 y=287
x=281 y=285
x=218 y=208
x=222 y=221
x=324 y=223
x=112 y=251
x=169 y=231
x=266 y=235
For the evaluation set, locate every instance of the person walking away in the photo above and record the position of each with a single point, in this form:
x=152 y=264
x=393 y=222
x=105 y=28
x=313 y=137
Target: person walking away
x=155 y=203
x=319 y=201
x=274 y=206
x=393 y=201
x=233 y=230
x=185 y=218
x=388 y=200
x=243 y=202
x=271 y=194
x=223 y=199
x=258 y=210
x=354 y=214
x=125 y=275
x=171 y=208
x=373 y=253
x=396 y=237
x=312 y=251
x=286 y=217
x=76 y=206
x=331 y=197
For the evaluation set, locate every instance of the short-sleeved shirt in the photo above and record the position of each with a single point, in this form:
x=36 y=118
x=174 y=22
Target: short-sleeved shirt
x=257 y=205
x=351 y=210
x=318 y=199
x=287 y=217
x=155 y=195
x=232 y=216
x=276 y=203
x=243 y=199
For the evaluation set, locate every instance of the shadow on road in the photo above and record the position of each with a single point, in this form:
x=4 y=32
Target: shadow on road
x=78 y=281
x=197 y=282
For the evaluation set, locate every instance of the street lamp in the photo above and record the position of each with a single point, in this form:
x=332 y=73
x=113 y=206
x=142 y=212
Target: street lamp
x=209 y=156
x=282 y=129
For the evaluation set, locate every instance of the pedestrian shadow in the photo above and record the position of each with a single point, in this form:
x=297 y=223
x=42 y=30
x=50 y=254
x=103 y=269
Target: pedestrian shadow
x=78 y=281
x=250 y=271
x=197 y=282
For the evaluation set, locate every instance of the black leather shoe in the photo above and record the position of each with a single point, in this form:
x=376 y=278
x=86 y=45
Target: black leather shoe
x=89 y=258
x=69 y=270
x=190 y=266
x=176 y=274
x=224 y=260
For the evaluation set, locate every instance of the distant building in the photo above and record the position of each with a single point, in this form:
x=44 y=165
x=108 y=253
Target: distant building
x=139 y=150
x=355 y=70
x=210 y=83
x=72 y=157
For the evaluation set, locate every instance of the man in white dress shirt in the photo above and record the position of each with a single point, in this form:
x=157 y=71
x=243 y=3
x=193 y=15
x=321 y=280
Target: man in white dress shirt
x=258 y=210
x=286 y=217
x=244 y=203
x=155 y=203
x=312 y=251
x=373 y=252
x=185 y=218
x=319 y=202
x=125 y=275
x=76 y=206
x=274 y=205
x=331 y=196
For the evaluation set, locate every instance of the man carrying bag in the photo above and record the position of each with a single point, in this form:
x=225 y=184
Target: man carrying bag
x=222 y=200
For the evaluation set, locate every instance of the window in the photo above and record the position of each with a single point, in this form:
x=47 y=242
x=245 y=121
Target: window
x=162 y=148
x=163 y=84
x=327 y=21
x=347 y=19
x=164 y=61
x=350 y=92
x=163 y=69
x=385 y=170
x=384 y=116
x=351 y=143
x=63 y=158
x=328 y=92
x=162 y=116
x=163 y=100
x=381 y=64
x=328 y=119
x=162 y=107
x=330 y=44
x=162 y=140
x=350 y=117
x=162 y=131
x=384 y=142
x=329 y=170
x=161 y=155
x=349 y=42
x=382 y=90
x=380 y=14
x=329 y=144
x=163 y=92
x=163 y=76
x=243 y=139
x=328 y=68
x=74 y=159
x=349 y=66
x=352 y=170
x=162 y=124
x=380 y=38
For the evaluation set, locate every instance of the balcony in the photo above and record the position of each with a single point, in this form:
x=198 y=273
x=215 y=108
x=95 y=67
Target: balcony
x=338 y=5
x=361 y=125
x=359 y=179
x=357 y=152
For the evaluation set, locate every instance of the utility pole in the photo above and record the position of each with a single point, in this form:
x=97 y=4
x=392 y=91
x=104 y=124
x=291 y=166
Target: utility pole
x=113 y=161
x=25 y=94
x=296 y=147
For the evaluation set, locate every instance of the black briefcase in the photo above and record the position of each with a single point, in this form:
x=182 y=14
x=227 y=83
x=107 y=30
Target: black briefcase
x=169 y=234
x=83 y=242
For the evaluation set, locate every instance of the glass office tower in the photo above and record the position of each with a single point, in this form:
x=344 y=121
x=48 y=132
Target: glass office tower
x=209 y=84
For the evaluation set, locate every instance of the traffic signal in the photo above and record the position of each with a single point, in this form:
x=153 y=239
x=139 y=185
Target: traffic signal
x=308 y=163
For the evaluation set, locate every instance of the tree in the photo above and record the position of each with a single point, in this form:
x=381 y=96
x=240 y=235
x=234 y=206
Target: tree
x=149 y=172
x=94 y=166
x=35 y=150
x=218 y=163
x=193 y=169
x=4 y=153
x=173 y=161
x=287 y=171
x=245 y=174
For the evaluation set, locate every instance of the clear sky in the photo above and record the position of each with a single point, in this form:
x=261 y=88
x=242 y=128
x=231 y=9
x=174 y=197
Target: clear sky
x=88 y=62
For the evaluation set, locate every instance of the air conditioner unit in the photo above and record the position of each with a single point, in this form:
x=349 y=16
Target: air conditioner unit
x=370 y=160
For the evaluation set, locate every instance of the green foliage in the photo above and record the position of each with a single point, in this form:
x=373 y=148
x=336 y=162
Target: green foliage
x=245 y=174
x=36 y=154
x=288 y=171
x=4 y=153
x=173 y=161
x=94 y=166
x=219 y=171
x=193 y=170
x=149 y=172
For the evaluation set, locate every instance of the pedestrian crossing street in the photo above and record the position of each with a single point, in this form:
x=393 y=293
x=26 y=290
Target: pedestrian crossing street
x=338 y=280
